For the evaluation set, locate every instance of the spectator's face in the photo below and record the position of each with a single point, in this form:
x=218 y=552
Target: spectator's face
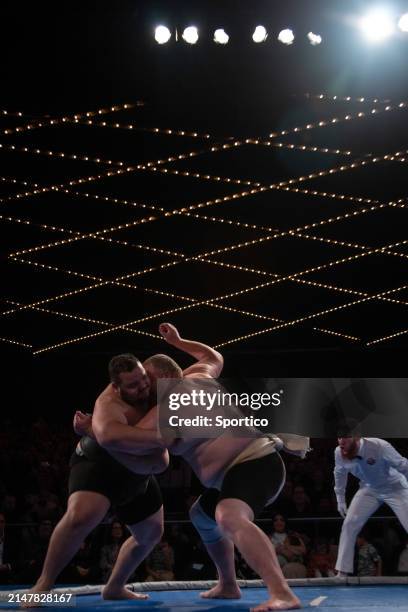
x=279 y=524
x=299 y=496
x=134 y=386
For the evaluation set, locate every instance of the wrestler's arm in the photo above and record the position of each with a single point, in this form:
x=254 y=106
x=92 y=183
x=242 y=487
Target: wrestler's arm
x=209 y=362
x=114 y=434
x=157 y=460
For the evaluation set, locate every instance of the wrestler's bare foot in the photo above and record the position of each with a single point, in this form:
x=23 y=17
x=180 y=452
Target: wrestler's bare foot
x=40 y=587
x=223 y=591
x=289 y=602
x=121 y=593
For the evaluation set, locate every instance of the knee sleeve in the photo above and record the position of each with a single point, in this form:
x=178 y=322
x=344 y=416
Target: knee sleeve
x=205 y=525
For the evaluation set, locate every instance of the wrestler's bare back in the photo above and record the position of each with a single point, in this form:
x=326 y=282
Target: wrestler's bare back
x=208 y=457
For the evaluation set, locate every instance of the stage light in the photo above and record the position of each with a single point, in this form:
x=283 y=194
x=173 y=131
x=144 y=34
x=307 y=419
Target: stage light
x=377 y=25
x=403 y=23
x=162 y=35
x=260 y=34
x=221 y=37
x=286 y=37
x=314 y=39
x=190 y=35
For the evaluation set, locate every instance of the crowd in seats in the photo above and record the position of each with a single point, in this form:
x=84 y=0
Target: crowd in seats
x=33 y=494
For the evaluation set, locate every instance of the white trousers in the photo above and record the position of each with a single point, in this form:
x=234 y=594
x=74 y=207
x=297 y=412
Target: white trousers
x=364 y=504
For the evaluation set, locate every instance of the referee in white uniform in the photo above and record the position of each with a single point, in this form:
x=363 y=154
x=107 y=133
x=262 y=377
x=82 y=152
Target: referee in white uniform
x=382 y=472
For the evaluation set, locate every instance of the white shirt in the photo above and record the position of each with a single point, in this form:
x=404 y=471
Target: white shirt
x=403 y=561
x=380 y=468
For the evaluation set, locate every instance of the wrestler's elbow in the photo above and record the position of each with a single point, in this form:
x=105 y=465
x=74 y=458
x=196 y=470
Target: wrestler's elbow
x=161 y=462
x=105 y=436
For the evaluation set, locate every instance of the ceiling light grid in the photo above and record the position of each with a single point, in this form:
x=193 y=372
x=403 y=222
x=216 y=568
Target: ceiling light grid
x=285 y=185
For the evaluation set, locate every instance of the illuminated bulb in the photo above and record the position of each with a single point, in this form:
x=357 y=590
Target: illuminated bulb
x=377 y=25
x=314 y=39
x=162 y=35
x=286 y=37
x=260 y=34
x=403 y=23
x=190 y=35
x=221 y=37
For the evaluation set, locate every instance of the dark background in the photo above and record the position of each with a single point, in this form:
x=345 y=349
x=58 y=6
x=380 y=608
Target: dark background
x=71 y=57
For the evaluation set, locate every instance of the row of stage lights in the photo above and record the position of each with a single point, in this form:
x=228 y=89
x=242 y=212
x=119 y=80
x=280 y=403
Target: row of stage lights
x=190 y=35
x=376 y=26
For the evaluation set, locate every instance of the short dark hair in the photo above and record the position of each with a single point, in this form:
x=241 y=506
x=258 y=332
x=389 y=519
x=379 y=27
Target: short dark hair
x=349 y=428
x=121 y=363
x=164 y=366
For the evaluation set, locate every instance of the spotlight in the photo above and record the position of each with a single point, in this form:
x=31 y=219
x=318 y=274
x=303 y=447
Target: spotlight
x=286 y=37
x=221 y=37
x=314 y=39
x=190 y=35
x=162 y=35
x=377 y=25
x=260 y=34
x=403 y=23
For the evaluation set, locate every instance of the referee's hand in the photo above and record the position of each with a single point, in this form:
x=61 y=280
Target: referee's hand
x=342 y=509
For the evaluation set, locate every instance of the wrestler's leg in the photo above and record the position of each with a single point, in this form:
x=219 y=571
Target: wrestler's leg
x=235 y=517
x=85 y=511
x=145 y=535
x=219 y=547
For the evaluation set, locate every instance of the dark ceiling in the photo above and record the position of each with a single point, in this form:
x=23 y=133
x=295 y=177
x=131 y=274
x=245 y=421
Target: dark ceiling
x=259 y=242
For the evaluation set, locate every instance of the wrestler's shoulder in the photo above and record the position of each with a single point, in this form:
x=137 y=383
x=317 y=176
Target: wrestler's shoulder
x=108 y=398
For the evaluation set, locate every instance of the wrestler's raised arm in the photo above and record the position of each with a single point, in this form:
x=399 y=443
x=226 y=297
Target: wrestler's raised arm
x=209 y=361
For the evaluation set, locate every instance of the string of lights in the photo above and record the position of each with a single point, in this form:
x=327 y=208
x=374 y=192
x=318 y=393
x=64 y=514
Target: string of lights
x=236 y=293
x=206 y=260
x=389 y=337
x=293 y=322
x=77 y=317
x=47 y=122
x=308 y=126
x=278 y=234
x=326 y=97
x=88 y=195
x=182 y=258
x=307 y=317
x=245 y=193
x=127 y=327
x=186 y=133
x=140 y=128
x=296 y=129
x=334 y=120
x=17 y=343
x=65 y=230
x=397 y=156
x=302 y=281
x=158 y=315
x=99 y=279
